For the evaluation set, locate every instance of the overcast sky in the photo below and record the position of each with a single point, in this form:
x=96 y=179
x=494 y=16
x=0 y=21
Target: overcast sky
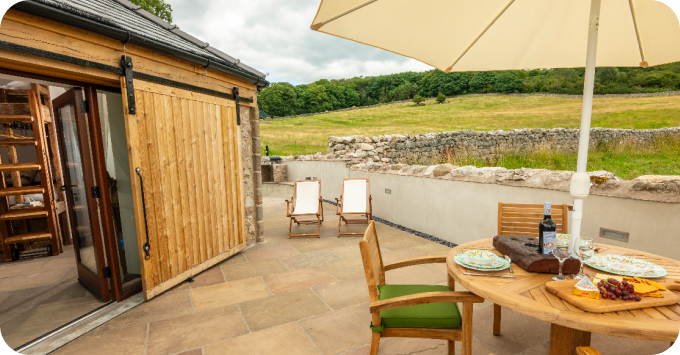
x=273 y=36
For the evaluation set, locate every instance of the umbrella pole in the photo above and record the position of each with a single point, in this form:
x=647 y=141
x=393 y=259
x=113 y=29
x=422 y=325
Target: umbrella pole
x=580 y=181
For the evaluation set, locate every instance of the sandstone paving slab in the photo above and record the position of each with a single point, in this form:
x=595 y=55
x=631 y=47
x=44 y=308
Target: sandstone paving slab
x=434 y=248
x=311 y=259
x=344 y=293
x=127 y=340
x=58 y=264
x=167 y=305
x=399 y=242
x=391 y=256
x=195 y=330
x=306 y=245
x=405 y=346
x=280 y=309
x=346 y=269
x=252 y=269
x=519 y=332
x=296 y=280
x=340 y=330
x=287 y=339
x=208 y=277
x=191 y=352
x=347 y=252
x=238 y=258
x=228 y=293
x=414 y=275
x=270 y=252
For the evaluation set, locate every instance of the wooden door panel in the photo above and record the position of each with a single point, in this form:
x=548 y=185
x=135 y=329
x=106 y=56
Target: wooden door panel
x=187 y=146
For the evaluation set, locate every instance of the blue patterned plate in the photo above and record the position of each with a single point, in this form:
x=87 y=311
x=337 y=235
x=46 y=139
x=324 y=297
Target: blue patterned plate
x=626 y=266
x=498 y=263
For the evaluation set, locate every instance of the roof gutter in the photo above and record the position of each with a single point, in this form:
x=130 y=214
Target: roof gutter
x=127 y=37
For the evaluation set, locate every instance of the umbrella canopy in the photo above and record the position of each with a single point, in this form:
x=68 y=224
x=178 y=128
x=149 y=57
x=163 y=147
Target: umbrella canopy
x=480 y=35
x=463 y=35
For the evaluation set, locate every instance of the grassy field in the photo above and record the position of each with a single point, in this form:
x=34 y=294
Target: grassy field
x=627 y=160
x=308 y=135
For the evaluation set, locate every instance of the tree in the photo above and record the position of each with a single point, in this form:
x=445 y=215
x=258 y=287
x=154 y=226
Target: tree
x=156 y=7
x=482 y=81
x=441 y=98
x=508 y=82
x=418 y=99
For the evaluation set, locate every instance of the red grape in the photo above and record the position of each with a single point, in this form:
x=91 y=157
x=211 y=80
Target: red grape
x=618 y=292
x=612 y=296
x=638 y=298
x=625 y=297
x=612 y=288
x=625 y=283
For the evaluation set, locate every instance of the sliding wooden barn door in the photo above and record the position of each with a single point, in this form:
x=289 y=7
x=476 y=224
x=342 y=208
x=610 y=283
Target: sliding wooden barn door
x=187 y=148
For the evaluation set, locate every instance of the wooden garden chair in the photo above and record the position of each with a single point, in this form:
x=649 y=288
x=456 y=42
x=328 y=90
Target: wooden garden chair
x=306 y=201
x=523 y=219
x=355 y=200
x=413 y=311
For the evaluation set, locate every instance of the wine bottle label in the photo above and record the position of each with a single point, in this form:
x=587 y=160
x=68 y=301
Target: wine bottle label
x=546 y=208
x=549 y=241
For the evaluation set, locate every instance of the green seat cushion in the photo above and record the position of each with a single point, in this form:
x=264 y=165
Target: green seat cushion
x=432 y=315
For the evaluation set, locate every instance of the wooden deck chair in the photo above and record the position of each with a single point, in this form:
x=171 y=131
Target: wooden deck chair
x=355 y=199
x=413 y=311
x=523 y=219
x=306 y=201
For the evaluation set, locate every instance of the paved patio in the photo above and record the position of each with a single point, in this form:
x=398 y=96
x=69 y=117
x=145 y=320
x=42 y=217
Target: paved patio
x=305 y=296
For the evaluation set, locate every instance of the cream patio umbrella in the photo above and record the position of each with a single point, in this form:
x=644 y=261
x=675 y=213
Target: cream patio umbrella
x=480 y=35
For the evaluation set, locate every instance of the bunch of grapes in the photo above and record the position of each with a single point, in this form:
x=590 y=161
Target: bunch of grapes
x=612 y=289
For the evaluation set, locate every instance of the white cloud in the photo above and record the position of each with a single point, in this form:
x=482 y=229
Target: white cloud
x=273 y=36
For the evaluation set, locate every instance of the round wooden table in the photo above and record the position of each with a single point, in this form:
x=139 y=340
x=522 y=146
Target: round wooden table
x=571 y=327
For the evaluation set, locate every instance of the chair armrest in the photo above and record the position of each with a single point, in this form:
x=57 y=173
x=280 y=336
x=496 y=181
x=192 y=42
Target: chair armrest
x=337 y=204
x=370 y=205
x=424 y=298
x=288 y=208
x=587 y=350
x=416 y=261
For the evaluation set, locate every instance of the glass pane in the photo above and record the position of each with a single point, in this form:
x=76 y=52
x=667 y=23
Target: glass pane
x=74 y=165
x=114 y=141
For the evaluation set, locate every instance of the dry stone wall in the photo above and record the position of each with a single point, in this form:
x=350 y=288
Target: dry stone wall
x=492 y=144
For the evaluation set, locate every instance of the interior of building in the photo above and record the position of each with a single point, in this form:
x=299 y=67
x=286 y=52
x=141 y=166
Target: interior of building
x=52 y=217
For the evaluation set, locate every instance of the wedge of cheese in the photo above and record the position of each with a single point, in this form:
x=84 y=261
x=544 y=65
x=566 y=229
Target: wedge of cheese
x=585 y=288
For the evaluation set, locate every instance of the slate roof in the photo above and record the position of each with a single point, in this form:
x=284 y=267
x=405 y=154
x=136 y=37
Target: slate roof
x=128 y=16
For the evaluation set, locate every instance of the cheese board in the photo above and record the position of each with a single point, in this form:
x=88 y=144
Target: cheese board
x=564 y=290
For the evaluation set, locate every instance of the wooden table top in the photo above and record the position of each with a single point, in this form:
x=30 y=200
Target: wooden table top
x=527 y=294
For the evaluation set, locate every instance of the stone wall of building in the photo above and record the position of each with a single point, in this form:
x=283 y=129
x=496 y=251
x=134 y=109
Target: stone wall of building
x=492 y=144
x=252 y=176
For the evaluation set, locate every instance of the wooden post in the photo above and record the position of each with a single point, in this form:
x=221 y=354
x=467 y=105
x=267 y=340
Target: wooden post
x=564 y=341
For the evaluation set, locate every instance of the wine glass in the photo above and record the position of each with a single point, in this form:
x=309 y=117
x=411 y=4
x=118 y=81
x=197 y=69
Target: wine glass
x=561 y=253
x=583 y=253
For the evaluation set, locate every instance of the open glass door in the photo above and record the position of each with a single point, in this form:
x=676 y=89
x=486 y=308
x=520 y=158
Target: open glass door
x=81 y=191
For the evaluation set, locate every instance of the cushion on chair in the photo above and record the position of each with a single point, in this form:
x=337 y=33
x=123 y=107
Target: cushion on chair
x=432 y=315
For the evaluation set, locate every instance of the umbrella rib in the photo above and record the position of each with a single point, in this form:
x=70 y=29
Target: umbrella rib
x=637 y=34
x=346 y=12
x=480 y=35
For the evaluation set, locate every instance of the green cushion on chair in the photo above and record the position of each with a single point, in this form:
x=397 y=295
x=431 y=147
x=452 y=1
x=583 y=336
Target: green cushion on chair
x=432 y=315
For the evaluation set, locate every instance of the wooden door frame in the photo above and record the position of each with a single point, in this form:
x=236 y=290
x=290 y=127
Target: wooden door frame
x=90 y=277
x=102 y=182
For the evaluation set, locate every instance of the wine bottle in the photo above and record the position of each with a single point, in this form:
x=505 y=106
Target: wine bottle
x=547 y=236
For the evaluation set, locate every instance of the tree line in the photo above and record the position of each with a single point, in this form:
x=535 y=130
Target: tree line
x=284 y=99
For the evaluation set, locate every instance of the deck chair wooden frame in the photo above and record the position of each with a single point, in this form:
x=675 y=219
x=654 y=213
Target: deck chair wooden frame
x=340 y=203
x=523 y=219
x=294 y=217
x=375 y=276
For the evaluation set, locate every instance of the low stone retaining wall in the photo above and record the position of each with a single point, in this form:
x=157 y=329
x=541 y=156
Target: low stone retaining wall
x=396 y=147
